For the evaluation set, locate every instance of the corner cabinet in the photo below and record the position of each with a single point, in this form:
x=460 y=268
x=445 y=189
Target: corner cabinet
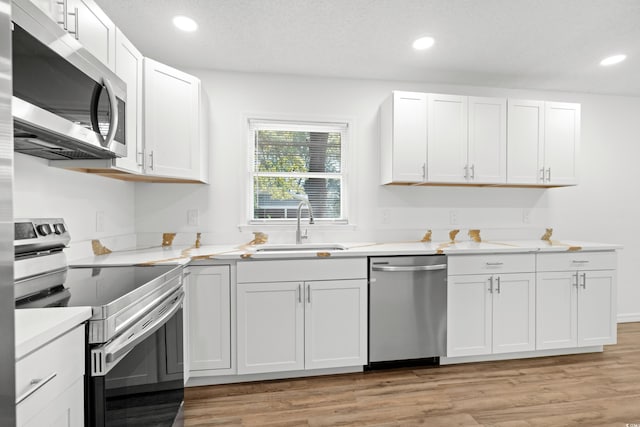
x=287 y=323
x=576 y=300
x=491 y=304
x=543 y=140
x=174 y=136
x=208 y=320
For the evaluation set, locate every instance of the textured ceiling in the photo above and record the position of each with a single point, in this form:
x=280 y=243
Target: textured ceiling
x=530 y=44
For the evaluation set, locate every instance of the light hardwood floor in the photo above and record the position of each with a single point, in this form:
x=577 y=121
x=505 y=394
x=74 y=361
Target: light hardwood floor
x=601 y=389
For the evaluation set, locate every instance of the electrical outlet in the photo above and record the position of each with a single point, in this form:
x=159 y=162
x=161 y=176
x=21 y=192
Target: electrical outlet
x=386 y=216
x=526 y=216
x=99 y=221
x=453 y=217
x=192 y=217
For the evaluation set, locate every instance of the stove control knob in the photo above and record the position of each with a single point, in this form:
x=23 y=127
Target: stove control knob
x=44 y=229
x=59 y=228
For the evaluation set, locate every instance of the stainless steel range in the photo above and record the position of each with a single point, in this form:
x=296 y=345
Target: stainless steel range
x=134 y=337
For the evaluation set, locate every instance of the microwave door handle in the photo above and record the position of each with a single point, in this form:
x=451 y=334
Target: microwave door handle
x=113 y=117
x=128 y=345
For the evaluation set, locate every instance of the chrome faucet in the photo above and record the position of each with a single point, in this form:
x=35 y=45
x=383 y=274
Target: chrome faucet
x=304 y=200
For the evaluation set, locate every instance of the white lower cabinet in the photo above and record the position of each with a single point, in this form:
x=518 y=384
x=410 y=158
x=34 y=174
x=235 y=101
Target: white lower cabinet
x=575 y=308
x=490 y=314
x=50 y=383
x=208 y=320
x=297 y=324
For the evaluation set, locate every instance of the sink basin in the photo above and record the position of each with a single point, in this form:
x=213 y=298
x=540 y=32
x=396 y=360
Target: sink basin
x=303 y=247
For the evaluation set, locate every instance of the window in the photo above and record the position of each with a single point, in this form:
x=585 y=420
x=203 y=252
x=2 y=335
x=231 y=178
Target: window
x=297 y=158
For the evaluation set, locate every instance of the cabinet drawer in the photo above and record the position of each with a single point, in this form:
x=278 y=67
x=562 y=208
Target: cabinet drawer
x=569 y=261
x=488 y=264
x=57 y=365
x=302 y=270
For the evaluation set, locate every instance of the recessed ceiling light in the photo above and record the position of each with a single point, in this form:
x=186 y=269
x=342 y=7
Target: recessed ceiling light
x=613 y=60
x=423 y=43
x=185 y=23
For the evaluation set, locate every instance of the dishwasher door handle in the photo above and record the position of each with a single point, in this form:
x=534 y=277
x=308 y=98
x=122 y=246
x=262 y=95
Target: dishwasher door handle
x=387 y=267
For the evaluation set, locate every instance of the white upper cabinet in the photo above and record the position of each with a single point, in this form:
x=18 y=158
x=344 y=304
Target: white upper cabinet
x=129 y=66
x=447 y=138
x=92 y=28
x=543 y=139
x=174 y=138
x=561 y=141
x=487 y=155
x=51 y=7
x=403 y=130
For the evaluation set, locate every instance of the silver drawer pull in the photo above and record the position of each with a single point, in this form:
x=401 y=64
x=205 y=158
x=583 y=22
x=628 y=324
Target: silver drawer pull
x=576 y=261
x=37 y=384
x=495 y=264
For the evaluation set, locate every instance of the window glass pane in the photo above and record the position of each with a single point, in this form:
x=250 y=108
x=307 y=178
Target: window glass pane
x=273 y=197
x=297 y=151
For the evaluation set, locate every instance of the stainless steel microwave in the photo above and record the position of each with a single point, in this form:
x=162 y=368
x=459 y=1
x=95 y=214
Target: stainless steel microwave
x=66 y=103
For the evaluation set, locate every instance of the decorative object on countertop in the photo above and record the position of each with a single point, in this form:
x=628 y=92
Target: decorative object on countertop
x=547 y=235
x=99 y=248
x=323 y=254
x=259 y=238
x=245 y=256
x=198 y=235
x=427 y=237
x=475 y=235
x=453 y=234
x=167 y=239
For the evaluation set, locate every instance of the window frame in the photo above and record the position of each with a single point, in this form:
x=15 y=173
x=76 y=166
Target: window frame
x=291 y=124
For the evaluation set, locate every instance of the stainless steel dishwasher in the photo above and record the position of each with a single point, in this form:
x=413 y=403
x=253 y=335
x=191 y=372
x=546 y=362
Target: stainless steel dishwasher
x=407 y=309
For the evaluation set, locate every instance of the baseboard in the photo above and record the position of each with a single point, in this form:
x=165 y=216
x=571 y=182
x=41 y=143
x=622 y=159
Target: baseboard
x=520 y=355
x=628 y=317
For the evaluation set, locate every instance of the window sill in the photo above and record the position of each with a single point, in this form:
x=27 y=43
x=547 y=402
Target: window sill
x=289 y=226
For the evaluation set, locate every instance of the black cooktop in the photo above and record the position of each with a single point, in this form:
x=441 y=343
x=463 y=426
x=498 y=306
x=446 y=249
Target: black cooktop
x=94 y=286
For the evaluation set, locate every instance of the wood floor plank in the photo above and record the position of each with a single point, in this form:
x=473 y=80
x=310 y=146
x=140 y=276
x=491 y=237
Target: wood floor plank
x=599 y=389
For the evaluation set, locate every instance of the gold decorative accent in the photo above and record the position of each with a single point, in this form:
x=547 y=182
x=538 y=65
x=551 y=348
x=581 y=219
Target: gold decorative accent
x=426 y=237
x=99 y=248
x=323 y=254
x=547 y=235
x=475 y=235
x=245 y=256
x=453 y=234
x=167 y=239
x=574 y=248
x=198 y=235
x=259 y=238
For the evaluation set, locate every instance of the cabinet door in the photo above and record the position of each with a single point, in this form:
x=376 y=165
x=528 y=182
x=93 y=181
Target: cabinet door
x=51 y=8
x=514 y=314
x=335 y=323
x=171 y=125
x=409 y=127
x=447 y=138
x=556 y=310
x=209 y=318
x=597 y=308
x=487 y=140
x=66 y=410
x=93 y=29
x=270 y=323
x=469 y=307
x=561 y=140
x=128 y=67
x=525 y=137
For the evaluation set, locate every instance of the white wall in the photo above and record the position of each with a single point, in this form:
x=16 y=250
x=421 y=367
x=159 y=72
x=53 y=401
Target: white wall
x=603 y=207
x=41 y=191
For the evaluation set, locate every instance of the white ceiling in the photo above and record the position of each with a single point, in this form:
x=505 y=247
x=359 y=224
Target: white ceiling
x=530 y=44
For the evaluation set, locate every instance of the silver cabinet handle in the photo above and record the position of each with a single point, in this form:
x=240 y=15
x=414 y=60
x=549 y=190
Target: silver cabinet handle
x=75 y=33
x=473 y=172
x=584 y=281
x=37 y=384
x=549 y=175
x=424 y=171
x=498 y=282
x=577 y=261
x=542 y=175
x=63 y=3
x=151 y=160
x=466 y=172
x=490 y=284
x=299 y=293
x=394 y=268
x=494 y=264
x=575 y=278
x=309 y=294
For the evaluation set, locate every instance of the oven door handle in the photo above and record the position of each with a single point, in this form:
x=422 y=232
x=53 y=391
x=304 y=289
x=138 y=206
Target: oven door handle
x=148 y=330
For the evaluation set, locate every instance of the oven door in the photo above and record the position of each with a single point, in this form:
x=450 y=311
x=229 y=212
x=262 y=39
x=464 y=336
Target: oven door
x=138 y=378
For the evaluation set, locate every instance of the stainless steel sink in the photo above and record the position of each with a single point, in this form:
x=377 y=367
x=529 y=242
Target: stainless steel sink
x=302 y=247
